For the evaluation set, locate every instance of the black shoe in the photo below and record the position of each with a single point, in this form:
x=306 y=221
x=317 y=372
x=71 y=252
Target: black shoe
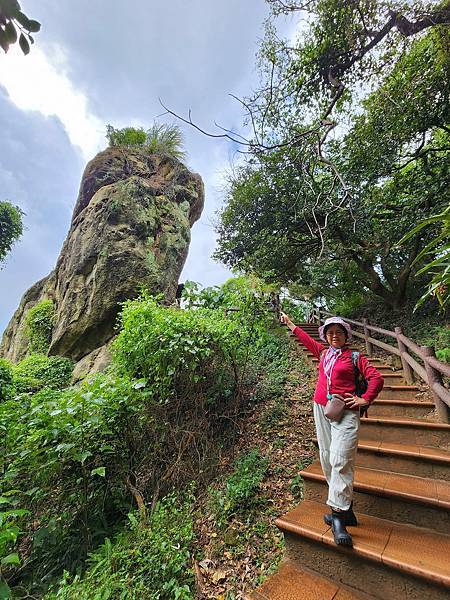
x=350 y=518
x=341 y=535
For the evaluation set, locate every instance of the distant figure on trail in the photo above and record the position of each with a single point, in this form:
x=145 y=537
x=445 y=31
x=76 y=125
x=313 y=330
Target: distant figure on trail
x=343 y=377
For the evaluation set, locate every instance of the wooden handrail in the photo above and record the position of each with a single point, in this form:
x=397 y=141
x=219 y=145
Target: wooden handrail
x=431 y=372
x=381 y=330
x=438 y=365
x=388 y=347
x=416 y=366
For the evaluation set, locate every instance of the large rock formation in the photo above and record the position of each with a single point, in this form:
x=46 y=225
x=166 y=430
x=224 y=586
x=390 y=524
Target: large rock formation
x=130 y=228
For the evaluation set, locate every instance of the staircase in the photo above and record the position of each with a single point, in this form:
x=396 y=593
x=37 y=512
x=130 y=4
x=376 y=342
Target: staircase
x=401 y=547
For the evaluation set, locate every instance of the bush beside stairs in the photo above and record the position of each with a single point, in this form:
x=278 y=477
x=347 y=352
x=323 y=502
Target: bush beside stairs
x=401 y=547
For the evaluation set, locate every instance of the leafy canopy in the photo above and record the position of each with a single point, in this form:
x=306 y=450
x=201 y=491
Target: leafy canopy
x=325 y=206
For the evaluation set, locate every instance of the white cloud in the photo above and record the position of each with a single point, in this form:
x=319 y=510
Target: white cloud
x=39 y=82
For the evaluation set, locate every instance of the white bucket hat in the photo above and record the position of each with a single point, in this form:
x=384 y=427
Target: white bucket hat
x=337 y=321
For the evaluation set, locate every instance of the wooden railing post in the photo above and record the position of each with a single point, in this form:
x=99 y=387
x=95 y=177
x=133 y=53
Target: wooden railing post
x=407 y=371
x=318 y=316
x=435 y=377
x=369 y=346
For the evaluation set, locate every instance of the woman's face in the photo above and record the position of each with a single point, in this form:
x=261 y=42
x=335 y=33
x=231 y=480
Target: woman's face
x=335 y=336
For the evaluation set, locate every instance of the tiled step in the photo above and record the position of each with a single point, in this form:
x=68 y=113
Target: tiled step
x=391 y=560
x=400 y=392
x=391 y=378
x=417 y=500
x=404 y=458
x=385 y=369
x=387 y=407
x=295 y=583
x=406 y=431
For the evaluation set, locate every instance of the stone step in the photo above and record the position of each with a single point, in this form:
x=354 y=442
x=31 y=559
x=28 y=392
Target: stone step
x=403 y=458
x=417 y=500
x=293 y=583
x=393 y=560
x=387 y=407
x=406 y=431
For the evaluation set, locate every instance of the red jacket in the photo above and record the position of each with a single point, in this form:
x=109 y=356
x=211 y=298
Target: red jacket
x=343 y=375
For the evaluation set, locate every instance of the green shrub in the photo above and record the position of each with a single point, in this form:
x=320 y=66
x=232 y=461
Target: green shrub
x=270 y=363
x=68 y=452
x=39 y=326
x=444 y=355
x=37 y=371
x=149 y=562
x=240 y=492
x=6 y=380
x=246 y=293
x=158 y=420
x=179 y=351
x=10 y=517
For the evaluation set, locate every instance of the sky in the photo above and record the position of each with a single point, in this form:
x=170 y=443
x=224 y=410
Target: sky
x=107 y=61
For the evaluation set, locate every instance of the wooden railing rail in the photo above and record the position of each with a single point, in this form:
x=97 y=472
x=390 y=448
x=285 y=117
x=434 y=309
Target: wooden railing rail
x=431 y=371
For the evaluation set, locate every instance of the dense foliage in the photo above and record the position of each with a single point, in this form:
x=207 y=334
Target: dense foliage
x=81 y=458
x=161 y=138
x=350 y=150
x=241 y=488
x=11 y=227
x=146 y=562
x=39 y=322
x=37 y=371
x=6 y=380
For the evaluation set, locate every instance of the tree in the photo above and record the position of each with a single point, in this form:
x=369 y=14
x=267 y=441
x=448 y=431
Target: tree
x=311 y=200
x=15 y=25
x=159 y=139
x=11 y=227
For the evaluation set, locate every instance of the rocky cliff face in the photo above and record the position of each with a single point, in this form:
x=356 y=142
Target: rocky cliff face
x=130 y=228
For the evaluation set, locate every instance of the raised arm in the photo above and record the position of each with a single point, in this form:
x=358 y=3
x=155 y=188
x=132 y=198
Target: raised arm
x=315 y=347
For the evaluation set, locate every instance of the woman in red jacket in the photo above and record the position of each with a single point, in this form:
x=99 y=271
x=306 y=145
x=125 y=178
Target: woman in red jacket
x=338 y=440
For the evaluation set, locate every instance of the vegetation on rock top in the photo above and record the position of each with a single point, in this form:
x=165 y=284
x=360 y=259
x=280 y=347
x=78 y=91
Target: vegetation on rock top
x=161 y=138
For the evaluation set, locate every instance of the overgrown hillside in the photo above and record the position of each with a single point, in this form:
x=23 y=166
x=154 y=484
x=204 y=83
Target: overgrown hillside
x=143 y=473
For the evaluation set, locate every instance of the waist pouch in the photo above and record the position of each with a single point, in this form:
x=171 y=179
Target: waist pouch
x=334 y=408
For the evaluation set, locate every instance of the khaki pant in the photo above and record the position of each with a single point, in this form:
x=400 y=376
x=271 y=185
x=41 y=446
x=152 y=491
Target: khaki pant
x=338 y=443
